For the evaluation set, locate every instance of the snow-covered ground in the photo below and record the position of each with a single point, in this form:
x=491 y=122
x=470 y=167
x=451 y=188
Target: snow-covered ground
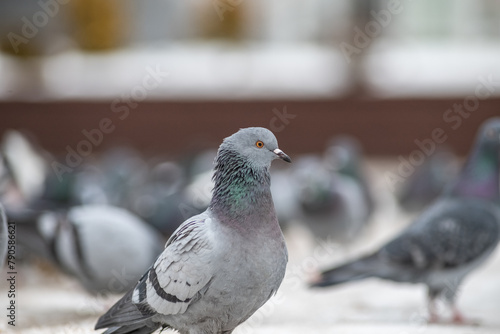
x=48 y=302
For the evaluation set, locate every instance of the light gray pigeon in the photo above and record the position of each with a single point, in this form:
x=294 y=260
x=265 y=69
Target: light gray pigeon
x=451 y=238
x=26 y=163
x=106 y=248
x=222 y=265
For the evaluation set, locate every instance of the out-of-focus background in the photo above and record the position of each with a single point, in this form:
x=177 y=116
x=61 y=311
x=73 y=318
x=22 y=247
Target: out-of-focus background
x=122 y=103
x=340 y=66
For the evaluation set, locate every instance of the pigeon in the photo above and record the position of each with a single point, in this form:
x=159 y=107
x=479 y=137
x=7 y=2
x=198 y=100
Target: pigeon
x=285 y=197
x=448 y=240
x=344 y=156
x=124 y=170
x=334 y=196
x=106 y=248
x=344 y=161
x=26 y=179
x=26 y=163
x=316 y=198
x=4 y=237
x=161 y=200
x=428 y=181
x=222 y=265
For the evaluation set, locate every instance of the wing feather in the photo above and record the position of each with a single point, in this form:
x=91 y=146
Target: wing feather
x=178 y=278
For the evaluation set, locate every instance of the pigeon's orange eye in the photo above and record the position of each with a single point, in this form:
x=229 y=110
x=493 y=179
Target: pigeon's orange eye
x=259 y=144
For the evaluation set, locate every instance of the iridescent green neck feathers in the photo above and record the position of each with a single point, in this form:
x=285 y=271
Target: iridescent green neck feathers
x=240 y=189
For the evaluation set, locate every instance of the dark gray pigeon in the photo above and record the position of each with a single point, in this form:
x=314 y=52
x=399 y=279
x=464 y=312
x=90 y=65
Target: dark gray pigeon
x=106 y=248
x=428 y=181
x=452 y=237
x=161 y=201
x=222 y=265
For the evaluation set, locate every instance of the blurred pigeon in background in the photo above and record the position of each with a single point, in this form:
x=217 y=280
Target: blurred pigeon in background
x=109 y=179
x=161 y=199
x=219 y=267
x=334 y=194
x=428 y=180
x=199 y=189
x=285 y=196
x=124 y=170
x=451 y=238
x=106 y=248
x=344 y=158
x=200 y=163
x=119 y=177
x=316 y=198
x=27 y=179
x=25 y=165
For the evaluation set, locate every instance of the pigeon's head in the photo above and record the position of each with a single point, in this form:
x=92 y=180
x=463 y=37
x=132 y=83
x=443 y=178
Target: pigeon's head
x=480 y=175
x=257 y=145
x=490 y=131
x=343 y=154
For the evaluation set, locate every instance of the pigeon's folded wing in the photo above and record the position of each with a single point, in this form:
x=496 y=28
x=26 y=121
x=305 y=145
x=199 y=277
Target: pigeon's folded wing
x=178 y=278
x=448 y=240
x=182 y=273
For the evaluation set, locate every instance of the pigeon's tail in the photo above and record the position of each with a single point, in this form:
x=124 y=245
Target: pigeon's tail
x=126 y=317
x=352 y=271
x=130 y=329
x=28 y=234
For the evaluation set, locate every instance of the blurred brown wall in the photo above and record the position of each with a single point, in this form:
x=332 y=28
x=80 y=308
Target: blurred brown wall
x=385 y=127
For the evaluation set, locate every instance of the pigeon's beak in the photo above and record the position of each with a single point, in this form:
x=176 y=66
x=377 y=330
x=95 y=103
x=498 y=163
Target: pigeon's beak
x=282 y=155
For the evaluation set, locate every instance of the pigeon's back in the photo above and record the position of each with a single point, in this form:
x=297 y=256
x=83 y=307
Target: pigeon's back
x=451 y=234
x=118 y=247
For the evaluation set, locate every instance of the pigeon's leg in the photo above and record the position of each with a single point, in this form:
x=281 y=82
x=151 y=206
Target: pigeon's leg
x=457 y=317
x=432 y=295
x=450 y=295
x=433 y=316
